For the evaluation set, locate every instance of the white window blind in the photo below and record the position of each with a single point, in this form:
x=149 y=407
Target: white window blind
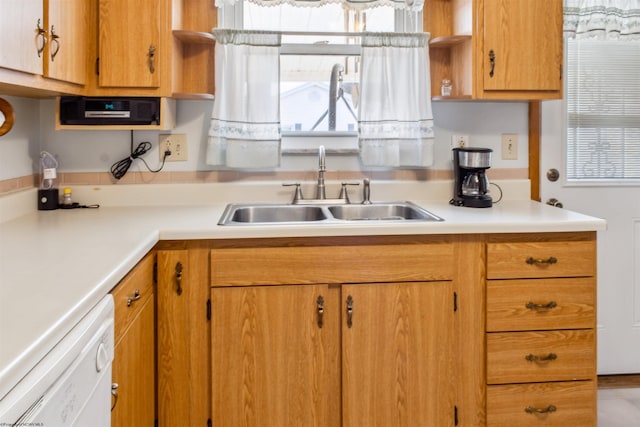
x=603 y=111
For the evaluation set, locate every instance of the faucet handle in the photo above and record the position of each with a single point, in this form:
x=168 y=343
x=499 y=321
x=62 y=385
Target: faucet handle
x=366 y=192
x=297 y=196
x=344 y=195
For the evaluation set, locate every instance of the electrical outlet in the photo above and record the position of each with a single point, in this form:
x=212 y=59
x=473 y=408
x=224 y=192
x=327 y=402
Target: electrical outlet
x=176 y=143
x=459 y=141
x=509 y=146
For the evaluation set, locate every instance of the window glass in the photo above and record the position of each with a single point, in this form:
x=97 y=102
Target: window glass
x=603 y=111
x=310 y=53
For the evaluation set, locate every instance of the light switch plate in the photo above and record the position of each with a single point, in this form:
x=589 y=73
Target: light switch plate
x=509 y=146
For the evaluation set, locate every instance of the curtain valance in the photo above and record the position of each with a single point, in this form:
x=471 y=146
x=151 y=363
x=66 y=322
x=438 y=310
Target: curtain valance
x=245 y=122
x=412 y=5
x=601 y=19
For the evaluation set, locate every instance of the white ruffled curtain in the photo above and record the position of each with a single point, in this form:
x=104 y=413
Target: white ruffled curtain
x=414 y=5
x=395 y=116
x=602 y=19
x=245 y=123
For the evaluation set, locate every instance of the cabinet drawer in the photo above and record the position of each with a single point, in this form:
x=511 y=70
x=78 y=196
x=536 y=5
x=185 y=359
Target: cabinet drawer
x=519 y=357
x=522 y=305
x=569 y=404
x=132 y=293
x=332 y=264
x=522 y=260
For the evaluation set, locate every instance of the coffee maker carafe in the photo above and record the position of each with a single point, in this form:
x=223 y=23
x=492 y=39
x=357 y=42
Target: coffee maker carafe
x=471 y=184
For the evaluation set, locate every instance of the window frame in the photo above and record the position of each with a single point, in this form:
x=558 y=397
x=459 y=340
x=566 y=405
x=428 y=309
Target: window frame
x=304 y=142
x=583 y=182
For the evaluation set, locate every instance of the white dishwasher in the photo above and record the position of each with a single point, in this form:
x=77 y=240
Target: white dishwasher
x=71 y=385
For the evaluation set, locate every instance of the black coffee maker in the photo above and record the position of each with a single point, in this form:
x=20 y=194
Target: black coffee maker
x=471 y=184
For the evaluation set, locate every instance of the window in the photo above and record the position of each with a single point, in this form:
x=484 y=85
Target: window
x=603 y=111
x=319 y=58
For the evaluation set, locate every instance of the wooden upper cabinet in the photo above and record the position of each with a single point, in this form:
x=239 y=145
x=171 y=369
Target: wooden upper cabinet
x=19 y=20
x=130 y=43
x=66 y=51
x=496 y=49
x=522 y=45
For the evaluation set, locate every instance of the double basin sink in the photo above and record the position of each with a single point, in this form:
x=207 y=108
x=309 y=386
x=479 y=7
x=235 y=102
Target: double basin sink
x=283 y=214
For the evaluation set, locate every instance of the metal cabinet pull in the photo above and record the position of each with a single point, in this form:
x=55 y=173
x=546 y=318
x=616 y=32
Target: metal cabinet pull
x=152 y=58
x=550 y=260
x=547 y=410
x=114 y=393
x=135 y=297
x=54 y=39
x=320 y=308
x=42 y=37
x=548 y=306
x=548 y=358
x=349 y=311
x=179 y=278
x=492 y=60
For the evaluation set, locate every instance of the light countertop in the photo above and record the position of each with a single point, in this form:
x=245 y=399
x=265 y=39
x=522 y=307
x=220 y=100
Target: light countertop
x=56 y=265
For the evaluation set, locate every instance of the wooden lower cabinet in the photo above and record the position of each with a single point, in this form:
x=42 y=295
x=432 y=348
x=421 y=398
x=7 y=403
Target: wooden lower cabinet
x=378 y=331
x=553 y=404
x=540 y=331
x=275 y=356
x=397 y=355
x=134 y=353
x=299 y=352
x=320 y=355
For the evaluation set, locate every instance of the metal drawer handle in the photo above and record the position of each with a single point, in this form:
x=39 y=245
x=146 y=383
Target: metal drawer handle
x=550 y=260
x=547 y=410
x=533 y=358
x=548 y=306
x=136 y=296
x=349 y=311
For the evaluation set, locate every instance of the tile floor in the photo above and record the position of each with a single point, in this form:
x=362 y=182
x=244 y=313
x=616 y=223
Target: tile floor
x=619 y=407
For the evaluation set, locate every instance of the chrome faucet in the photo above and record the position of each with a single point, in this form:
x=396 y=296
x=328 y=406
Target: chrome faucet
x=322 y=167
x=366 y=192
x=336 y=77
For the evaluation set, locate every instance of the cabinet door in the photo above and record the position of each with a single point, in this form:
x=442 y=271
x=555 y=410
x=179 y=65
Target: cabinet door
x=20 y=39
x=65 y=56
x=397 y=343
x=273 y=363
x=134 y=371
x=129 y=42
x=524 y=37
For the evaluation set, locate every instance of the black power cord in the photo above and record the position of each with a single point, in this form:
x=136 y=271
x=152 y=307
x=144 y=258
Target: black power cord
x=119 y=169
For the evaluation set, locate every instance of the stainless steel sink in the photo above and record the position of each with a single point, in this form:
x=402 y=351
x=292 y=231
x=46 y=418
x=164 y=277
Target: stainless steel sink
x=403 y=211
x=262 y=214
x=253 y=214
